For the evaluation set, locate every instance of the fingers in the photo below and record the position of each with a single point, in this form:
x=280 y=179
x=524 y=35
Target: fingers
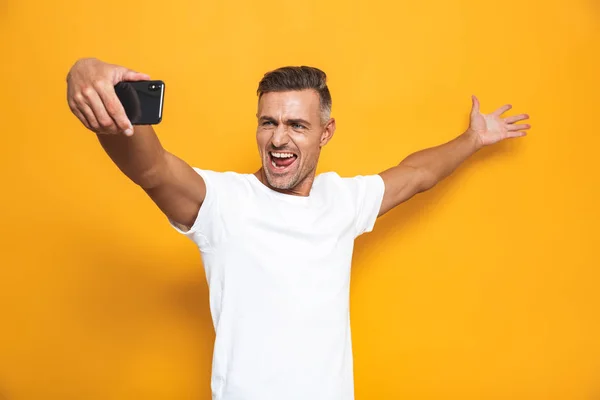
x=115 y=109
x=99 y=109
x=82 y=110
x=516 y=118
x=516 y=134
x=516 y=130
x=517 y=127
x=475 y=108
x=89 y=116
x=92 y=98
x=75 y=110
x=135 y=76
x=502 y=110
x=105 y=123
x=81 y=117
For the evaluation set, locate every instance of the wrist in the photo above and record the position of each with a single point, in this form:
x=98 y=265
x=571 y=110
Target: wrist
x=474 y=139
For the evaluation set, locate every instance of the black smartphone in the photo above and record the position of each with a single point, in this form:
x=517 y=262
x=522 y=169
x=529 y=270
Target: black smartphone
x=142 y=101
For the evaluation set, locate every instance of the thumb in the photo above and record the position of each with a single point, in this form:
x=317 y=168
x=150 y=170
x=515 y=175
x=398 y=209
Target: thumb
x=130 y=75
x=475 y=107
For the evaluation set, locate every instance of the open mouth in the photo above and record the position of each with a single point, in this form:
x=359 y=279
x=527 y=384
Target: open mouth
x=281 y=161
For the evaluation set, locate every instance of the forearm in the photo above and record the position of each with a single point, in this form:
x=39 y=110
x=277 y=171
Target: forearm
x=140 y=157
x=438 y=162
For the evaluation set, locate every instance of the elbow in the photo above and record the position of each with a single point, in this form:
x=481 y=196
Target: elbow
x=152 y=176
x=420 y=179
x=426 y=180
x=148 y=179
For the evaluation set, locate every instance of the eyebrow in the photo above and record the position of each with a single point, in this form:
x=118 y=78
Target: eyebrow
x=266 y=118
x=290 y=121
x=298 y=121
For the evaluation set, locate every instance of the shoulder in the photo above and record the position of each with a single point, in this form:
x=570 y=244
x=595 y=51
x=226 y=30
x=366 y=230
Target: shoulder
x=222 y=177
x=224 y=184
x=352 y=185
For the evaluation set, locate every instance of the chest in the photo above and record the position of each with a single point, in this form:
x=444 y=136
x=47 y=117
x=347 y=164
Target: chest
x=313 y=230
x=291 y=257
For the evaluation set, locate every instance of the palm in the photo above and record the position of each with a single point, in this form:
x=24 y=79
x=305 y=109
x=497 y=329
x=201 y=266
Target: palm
x=492 y=128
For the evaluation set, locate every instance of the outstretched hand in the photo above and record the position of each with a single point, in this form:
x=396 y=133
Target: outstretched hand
x=492 y=128
x=92 y=98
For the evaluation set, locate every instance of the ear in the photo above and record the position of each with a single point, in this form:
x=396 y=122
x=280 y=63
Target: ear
x=327 y=132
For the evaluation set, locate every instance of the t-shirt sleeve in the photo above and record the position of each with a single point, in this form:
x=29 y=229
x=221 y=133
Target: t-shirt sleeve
x=367 y=192
x=205 y=228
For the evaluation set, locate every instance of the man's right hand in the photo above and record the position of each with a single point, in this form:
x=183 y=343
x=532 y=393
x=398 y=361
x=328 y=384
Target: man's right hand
x=91 y=95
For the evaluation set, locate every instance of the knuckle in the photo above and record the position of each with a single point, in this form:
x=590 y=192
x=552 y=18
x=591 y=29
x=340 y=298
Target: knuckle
x=88 y=91
x=78 y=98
x=99 y=84
x=105 y=122
x=111 y=108
x=123 y=125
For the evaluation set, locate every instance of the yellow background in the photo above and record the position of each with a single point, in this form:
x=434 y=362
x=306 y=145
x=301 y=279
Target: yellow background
x=485 y=287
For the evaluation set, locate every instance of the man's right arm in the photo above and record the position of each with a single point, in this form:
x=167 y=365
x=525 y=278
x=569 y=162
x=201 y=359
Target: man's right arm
x=169 y=181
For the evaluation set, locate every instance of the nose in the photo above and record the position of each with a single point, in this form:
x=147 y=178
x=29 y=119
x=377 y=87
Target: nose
x=280 y=136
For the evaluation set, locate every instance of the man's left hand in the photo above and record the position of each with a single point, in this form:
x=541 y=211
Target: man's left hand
x=492 y=128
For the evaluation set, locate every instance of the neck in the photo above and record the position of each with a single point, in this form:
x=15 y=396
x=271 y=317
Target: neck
x=301 y=189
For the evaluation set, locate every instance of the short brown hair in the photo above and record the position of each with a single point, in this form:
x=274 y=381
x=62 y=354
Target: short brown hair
x=298 y=78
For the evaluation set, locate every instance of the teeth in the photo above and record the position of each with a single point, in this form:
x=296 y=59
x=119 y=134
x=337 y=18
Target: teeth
x=282 y=155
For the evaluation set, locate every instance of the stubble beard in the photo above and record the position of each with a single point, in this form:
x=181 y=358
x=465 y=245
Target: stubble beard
x=284 y=182
x=287 y=182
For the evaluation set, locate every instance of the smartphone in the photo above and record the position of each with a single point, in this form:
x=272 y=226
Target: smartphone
x=142 y=101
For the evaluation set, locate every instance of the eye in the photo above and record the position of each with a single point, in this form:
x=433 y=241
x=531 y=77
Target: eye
x=267 y=123
x=297 y=126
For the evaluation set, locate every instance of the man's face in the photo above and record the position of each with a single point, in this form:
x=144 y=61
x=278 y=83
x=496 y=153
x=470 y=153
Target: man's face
x=290 y=135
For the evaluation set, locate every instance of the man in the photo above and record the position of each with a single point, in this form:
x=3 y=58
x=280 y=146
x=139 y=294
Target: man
x=277 y=244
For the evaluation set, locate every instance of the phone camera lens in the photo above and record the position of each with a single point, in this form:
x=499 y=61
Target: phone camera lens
x=153 y=87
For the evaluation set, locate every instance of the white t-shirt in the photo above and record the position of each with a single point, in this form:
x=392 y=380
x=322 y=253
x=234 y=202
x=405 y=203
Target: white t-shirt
x=278 y=270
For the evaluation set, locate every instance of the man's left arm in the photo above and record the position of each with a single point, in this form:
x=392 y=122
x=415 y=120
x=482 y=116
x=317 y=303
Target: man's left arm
x=422 y=170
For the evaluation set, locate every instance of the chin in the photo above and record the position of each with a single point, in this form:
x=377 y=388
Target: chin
x=284 y=180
